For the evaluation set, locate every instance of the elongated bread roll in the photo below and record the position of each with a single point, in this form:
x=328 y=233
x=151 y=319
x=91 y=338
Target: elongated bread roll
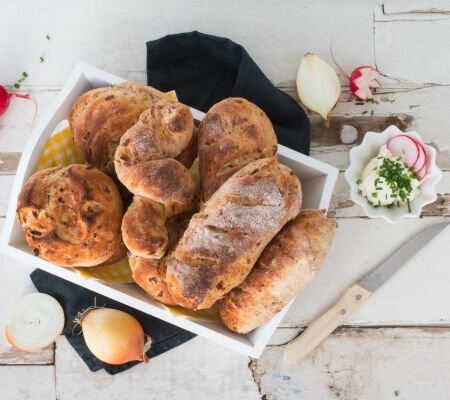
x=233 y=133
x=224 y=240
x=285 y=268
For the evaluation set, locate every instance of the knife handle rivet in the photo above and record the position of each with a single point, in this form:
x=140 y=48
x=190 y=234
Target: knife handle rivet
x=358 y=297
x=343 y=311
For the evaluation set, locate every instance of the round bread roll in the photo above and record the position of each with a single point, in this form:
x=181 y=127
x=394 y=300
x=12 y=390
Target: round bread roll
x=233 y=133
x=146 y=164
x=101 y=116
x=71 y=216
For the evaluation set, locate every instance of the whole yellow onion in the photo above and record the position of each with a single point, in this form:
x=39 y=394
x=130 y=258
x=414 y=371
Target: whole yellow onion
x=114 y=336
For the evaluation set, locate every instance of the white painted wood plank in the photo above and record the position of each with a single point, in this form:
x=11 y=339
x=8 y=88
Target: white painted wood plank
x=417 y=294
x=22 y=382
x=414 y=50
x=17 y=123
x=196 y=370
x=369 y=364
x=416 y=7
x=113 y=37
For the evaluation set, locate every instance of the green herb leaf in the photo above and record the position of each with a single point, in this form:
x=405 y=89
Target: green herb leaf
x=41 y=59
x=16 y=85
x=371 y=112
x=24 y=74
x=396 y=393
x=358 y=181
x=364 y=112
x=47 y=36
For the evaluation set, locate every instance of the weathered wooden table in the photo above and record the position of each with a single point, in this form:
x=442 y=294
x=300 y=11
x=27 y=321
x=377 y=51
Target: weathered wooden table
x=398 y=344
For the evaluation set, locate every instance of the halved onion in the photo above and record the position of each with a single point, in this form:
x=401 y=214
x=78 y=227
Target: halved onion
x=34 y=322
x=318 y=86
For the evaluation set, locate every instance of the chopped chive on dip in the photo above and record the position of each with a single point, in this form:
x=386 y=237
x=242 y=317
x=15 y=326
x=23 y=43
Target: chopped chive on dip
x=387 y=181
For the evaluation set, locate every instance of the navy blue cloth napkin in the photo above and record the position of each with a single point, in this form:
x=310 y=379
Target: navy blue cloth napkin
x=204 y=69
x=74 y=298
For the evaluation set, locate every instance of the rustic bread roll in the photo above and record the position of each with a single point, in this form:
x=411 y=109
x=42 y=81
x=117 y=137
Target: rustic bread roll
x=145 y=159
x=233 y=133
x=71 y=216
x=150 y=273
x=286 y=266
x=224 y=240
x=144 y=228
x=101 y=116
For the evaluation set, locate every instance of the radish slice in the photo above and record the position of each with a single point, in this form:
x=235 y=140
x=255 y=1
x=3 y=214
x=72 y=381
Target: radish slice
x=423 y=171
x=35 y=321
x=422 y=159
x=405 y=147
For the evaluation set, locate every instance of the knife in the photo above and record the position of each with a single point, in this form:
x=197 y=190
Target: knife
x=319 y=329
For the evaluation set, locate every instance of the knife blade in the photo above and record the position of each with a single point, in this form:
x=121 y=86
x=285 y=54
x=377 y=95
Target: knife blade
x=320 y=328
x=400 y=257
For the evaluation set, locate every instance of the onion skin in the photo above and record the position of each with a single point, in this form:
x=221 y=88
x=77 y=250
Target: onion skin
x=10 y=340
x=113 y=336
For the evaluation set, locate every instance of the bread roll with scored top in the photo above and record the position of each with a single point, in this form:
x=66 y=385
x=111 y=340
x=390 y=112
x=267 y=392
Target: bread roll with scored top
x=287 y=265
x=146 y=164
x=150 y=273
x=224 y=240
x=233 y=133
x=71 y=216
x=101 y=116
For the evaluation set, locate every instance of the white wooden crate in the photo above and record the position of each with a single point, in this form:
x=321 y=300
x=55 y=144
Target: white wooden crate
x=317 y=178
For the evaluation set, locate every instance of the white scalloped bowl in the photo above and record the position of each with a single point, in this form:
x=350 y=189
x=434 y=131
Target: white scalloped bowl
x=369 y=148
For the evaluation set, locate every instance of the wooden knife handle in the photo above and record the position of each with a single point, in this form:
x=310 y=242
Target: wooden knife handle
x=320 y=328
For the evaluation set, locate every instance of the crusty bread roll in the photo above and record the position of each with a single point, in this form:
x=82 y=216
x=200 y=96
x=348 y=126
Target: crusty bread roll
x=286 y=266
x=150 y=273
x=145 y=163
x=71 y=216
x=144 y=228
x=224 y=240
x=233 y=133
x=101 y=116
x=145 y=159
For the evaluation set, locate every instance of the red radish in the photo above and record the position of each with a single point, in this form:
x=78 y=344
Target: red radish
x=5 y=97
x=422 y=159
x=405 y=147
x=362 y=80
x=422 y=172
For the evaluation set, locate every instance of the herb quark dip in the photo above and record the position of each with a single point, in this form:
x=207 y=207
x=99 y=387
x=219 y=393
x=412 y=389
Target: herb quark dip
x=387 y=181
